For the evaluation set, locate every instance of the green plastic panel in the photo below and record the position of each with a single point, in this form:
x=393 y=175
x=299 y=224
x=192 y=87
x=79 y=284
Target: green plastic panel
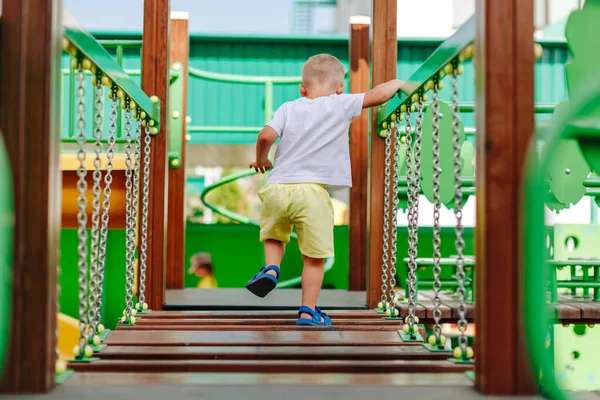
x=88 y=46
x=7 y=220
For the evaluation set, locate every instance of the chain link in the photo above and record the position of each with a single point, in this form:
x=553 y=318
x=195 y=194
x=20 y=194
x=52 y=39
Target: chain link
x=145 y=194
x=110 y=154
x=130 y=234
x=437 y=285
x=136 y=190
x=82 y=214
x=458 y=199
x=386 y=216
x=93 y=312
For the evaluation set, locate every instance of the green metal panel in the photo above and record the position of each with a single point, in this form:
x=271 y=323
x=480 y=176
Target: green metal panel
x=214 y=104
x=7 y=220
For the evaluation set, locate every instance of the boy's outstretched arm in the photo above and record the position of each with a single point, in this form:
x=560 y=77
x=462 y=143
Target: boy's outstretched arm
x=266 y=138
x=382 y=93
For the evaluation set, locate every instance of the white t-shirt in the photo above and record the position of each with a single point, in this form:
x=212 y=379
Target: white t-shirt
x=314 y=144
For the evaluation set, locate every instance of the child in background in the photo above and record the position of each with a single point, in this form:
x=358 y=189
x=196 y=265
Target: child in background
x=201 y=265
x=312 y=159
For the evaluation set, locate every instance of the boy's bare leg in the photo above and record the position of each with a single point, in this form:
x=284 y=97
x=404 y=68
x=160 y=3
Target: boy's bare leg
x=312 y=280
x=274 y=251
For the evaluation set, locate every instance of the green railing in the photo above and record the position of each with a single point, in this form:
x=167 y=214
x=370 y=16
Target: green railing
x=245 y=220
x=579 y=122
x=94 y=58
x=7 y=220
x=175 y=126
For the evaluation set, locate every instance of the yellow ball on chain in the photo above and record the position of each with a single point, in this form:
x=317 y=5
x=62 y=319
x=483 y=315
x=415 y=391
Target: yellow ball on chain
x=65 y=44
x=448 y=69
x=100 y=328
x=123 y=320
x=145 y=305
x=403 y=108
x=538 y=51
x=591 y=325
x=405 y=328
x=133 y=312
x=393 y=117
x=392 y=126
x=96 y=340
x=143 y=115
x=106 y=81
x=151 y=122
x=413 y=108
x=60 y=367
x=188 y=137
x=384 y=126
x=123 y=105
x=440 y=85
x=88 y=351
x=460 y=70
x=403 y=140
x=132 y=320
x=441 y=74
x=380 y=305
x=132 y=105
x=74 y=63
x=86 y=64
x=425 y=97
x=432 y=340
x=154 y=99
x=76 y=351
x=457 y=353
x=470 y=352
x=94 y=81
x=153 y=131
x=144 y=123
x=402 y=117
x=429 y=85
x=120 y=94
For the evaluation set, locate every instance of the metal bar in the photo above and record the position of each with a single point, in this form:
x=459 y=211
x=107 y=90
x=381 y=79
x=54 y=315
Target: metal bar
x=541 y=108
x=87 y=46
x=71 y=101
x=586 y=285
x=91 y=140
x=175 y=127
x=249 y=129
x=268 y=100
x=130 y=72
x=111 y=43
x=252 y=79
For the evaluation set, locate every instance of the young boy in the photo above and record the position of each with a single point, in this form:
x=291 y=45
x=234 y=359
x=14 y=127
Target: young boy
x=312 y=159
x=201 y=265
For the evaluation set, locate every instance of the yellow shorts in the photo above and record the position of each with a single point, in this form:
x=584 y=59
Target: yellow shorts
x=305 y=206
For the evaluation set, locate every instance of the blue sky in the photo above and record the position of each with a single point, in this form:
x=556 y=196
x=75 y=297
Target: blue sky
x=215 y=16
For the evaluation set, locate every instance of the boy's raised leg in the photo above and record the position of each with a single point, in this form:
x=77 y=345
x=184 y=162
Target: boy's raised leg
x=266 y=280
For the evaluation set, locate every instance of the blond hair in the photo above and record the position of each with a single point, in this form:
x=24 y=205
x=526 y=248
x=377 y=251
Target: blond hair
x=323 y=70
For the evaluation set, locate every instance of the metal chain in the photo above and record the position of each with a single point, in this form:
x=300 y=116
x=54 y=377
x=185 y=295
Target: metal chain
x=96 y=190
x=410 y=182
x=458 y=199
x=129 y=235
x=110 y=154
x=136 y=192
x=145 y=194
x=394 y=224
x=82 y=214
x=417 y=173
x=386 y=216
x=437 y=242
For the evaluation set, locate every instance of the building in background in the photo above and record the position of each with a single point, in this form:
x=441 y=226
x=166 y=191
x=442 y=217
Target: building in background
x=422 y=18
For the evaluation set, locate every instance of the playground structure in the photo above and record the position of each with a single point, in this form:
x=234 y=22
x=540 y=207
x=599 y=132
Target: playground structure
x=371 y=341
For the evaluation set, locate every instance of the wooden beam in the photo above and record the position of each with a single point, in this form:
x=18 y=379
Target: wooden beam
x=384 y=55
x=179 y=52
x=359 y=154
x=31 y=33
x=505 y=126
x=155 y=70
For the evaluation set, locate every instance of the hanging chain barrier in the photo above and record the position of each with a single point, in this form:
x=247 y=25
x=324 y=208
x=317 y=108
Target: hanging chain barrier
x=95 y=231
x=130 y=225
x=144 y=242
x=394 y=221
x=110 y=154
x=411 y=180
x=82 y=215
x=458 y=200
x=437 y=285
x=386 y=218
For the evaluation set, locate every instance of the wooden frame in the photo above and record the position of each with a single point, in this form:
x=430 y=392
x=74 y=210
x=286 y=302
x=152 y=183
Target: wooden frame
x=359 y=154
x=179 y=52
x=384 y=56
x=505 y=126
x=29 y=120
x=155 y=70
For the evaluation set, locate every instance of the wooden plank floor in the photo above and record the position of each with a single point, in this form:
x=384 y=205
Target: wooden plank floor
x=264 y=342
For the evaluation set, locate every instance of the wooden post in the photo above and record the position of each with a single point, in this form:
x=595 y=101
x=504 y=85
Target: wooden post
x=384 y=56
x=155 y=71
x=31 y=34
x=359 y=154
x=178 y=52
x=505 y=126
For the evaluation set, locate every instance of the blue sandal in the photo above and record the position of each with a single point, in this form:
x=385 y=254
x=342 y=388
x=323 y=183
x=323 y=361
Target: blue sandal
x=325 y=317
x=317 y=319
x=262 y=283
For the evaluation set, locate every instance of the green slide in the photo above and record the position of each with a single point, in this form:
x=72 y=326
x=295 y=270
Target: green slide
x=6 y=243
x=245 y=220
